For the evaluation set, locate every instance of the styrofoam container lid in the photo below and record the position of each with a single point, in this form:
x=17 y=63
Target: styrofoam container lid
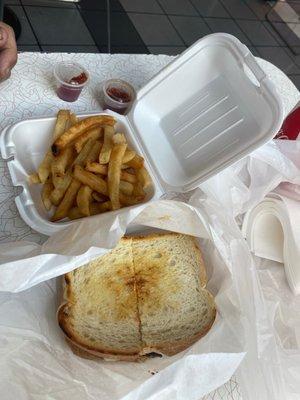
x=204 y=111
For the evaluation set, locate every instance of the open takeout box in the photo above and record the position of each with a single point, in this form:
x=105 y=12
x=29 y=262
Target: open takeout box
x=207 y=109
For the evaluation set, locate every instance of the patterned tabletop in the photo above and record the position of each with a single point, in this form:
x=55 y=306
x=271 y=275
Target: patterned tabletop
x=30 y=93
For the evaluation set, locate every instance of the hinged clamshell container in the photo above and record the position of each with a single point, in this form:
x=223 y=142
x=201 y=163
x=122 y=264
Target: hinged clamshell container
x=207 y=109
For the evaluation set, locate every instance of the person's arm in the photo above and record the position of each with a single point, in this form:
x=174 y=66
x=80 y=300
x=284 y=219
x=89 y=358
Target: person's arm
x=8 y=51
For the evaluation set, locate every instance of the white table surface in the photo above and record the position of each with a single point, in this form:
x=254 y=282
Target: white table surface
x=29 y=93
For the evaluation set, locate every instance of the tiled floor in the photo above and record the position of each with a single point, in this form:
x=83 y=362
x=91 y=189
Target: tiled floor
x=155 y=26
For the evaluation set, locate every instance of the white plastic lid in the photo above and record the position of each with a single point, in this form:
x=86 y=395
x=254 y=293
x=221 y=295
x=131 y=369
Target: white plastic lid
x=203 y=112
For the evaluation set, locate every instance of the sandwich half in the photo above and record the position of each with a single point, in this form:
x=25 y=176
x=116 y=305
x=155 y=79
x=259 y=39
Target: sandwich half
x=145 y=296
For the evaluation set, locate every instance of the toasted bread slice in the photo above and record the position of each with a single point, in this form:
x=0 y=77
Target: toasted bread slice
x=147 y=295
x=174 y=308
x=100 y=314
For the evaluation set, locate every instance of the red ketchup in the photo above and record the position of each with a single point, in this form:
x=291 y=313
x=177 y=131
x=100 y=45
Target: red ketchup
x=121 y=99
x=119 y=95
x=69 y=91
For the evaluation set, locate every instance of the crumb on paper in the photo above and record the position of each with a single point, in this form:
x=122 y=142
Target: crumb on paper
x=152 y=372
x=165 y=218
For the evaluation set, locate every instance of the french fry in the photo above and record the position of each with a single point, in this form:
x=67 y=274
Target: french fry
x=103 y=169
x=95 y=208
x=46 y=192
x=144 y=177
x=130 y=200
x=114 y=174
x=58 y=184
x=67 y=202
x=94 y=153
x=70 y=161
x=33 y=178
x=138 y=190
x=94 y=133
x=127 y=177
x=84 y=155
x=62 y=186
x=126 y=187
x=83 y=200
x=73 y=119
x=107 y=145
x=60 y=126
x=87 y=178
x=129 y=155
x=96 y=168
x=58 y=193
x=99 y=197
x=136 y=163
x=75 y=213
x=119 y=138
x=78 y=129
x=62 y=121
x=45 y=167
x=60 y=163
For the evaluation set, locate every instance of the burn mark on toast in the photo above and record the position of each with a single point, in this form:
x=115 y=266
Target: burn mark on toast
x=117 y=286
x=153 y=354
x=120 y=287
x=151 y=273
x=68 y=287
x=62 y=318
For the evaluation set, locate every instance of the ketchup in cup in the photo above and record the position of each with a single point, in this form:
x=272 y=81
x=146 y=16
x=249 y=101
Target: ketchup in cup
x=71 y=78
x=118 y=95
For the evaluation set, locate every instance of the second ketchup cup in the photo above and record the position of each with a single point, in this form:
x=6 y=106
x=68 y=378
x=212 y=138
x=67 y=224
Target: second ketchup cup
x=118 y=95
x=70 y=78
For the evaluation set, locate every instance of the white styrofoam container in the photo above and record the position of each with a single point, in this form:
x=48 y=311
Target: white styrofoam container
x=25 y=144
x=207 y=109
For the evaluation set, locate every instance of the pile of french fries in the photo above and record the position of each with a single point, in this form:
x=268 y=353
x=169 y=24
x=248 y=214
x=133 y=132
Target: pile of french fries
x=90 y=169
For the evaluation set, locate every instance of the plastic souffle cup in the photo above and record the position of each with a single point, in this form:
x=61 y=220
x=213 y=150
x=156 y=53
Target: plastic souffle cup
x=118 y=95
x=70 y=79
